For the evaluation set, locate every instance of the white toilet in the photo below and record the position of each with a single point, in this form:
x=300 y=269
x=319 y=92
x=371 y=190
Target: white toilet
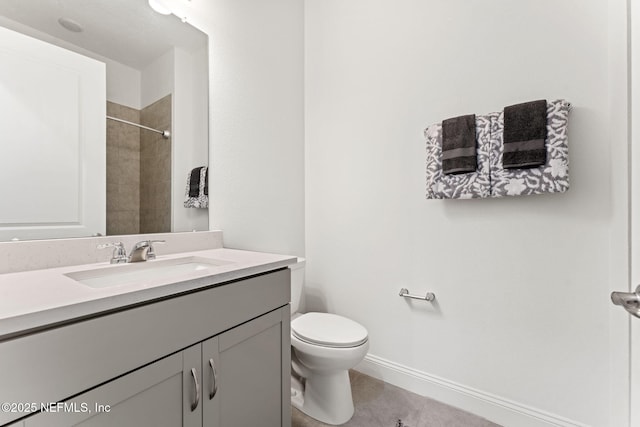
x=324 y=347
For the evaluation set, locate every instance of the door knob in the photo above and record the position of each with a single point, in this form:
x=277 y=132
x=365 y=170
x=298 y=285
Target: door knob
x=630 y=301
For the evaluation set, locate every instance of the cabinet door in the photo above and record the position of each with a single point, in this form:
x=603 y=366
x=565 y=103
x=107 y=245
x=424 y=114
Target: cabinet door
x=52 y=122
x=148 y=397
x=250 y=373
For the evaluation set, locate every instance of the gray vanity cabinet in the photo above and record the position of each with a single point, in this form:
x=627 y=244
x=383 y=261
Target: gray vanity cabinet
x=234 y=379
x=156 y=365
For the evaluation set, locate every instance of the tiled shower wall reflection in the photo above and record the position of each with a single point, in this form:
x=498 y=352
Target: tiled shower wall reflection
x=139 y=170
x=155 y=169
x=123 y=171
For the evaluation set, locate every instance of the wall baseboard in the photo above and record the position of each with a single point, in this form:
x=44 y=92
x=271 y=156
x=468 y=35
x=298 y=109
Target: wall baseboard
x=495 y=408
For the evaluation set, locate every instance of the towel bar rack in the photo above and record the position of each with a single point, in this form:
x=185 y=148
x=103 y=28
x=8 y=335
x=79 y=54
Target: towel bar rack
x=430 y=296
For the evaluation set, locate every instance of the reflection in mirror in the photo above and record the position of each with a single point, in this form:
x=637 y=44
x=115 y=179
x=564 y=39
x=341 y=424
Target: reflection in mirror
x=156 y=76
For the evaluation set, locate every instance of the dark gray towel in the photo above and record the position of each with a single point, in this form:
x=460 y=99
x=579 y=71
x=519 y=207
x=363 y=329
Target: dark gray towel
x=194 y=182
x=206 y=182
x=525 y=133
x=459 y=145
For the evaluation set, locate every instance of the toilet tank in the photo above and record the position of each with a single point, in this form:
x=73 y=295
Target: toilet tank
x=297 y=282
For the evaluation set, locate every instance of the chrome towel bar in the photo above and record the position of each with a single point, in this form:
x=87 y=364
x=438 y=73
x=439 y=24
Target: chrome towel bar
x=430 y=296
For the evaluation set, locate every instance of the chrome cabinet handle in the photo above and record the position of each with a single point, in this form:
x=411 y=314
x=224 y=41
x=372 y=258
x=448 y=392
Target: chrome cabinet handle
x=194 y=405
x=630 y=301
x=214 y=377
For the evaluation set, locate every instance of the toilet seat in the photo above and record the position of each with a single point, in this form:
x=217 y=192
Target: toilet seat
x=328 y=330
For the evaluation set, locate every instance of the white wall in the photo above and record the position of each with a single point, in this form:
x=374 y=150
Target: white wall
x=184 y=75
x=158 y=79
x=522 y=311
x=256 y=130
x=256 y=120
x=123 y=84
x=522 y=315
x=190 y=136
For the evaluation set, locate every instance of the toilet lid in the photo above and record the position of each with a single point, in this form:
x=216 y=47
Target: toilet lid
x=329 y=330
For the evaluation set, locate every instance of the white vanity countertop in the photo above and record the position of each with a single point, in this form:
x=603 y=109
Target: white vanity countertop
x=40 y=298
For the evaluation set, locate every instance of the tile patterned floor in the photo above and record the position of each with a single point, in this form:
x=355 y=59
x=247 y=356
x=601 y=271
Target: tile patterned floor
x=379 y=404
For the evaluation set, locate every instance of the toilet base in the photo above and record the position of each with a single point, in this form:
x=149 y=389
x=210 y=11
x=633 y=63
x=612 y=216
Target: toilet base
x=327 y=397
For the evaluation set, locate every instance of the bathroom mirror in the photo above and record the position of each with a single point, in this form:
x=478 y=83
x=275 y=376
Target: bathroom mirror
x=156 y=75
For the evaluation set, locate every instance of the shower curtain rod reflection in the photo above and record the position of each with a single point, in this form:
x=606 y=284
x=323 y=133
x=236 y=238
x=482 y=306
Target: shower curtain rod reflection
x=165 y=133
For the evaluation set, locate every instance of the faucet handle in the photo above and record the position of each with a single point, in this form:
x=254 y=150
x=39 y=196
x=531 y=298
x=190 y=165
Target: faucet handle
x=117 y=246
x=143 y=251
x=152 y=254
x=119 y=252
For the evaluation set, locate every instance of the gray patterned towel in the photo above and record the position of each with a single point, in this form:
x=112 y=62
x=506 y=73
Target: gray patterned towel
x=552 y=177
x=464 y=186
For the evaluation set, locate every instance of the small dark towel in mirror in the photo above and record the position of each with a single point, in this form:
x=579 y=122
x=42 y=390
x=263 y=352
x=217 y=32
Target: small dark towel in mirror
x=206 y=182
x=459 y=145
x=194 y=182
x=525 y=133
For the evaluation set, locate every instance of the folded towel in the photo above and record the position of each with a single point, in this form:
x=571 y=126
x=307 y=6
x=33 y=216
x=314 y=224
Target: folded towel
x=525 y=132
x=459 y=145
x=552 y=176
x=197 y=191
x=475 y=184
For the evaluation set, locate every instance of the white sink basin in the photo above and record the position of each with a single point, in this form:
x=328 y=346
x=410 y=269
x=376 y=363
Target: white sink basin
x=145 y=271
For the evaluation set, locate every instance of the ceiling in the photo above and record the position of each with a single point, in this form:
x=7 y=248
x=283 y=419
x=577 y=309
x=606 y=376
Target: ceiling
x=127 y=31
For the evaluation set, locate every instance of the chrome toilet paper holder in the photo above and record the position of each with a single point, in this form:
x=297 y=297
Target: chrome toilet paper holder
x=430 y=296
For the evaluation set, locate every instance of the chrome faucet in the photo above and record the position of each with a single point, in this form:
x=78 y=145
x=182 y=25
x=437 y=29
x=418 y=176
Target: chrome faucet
x=143 y=251
x=119 y=252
